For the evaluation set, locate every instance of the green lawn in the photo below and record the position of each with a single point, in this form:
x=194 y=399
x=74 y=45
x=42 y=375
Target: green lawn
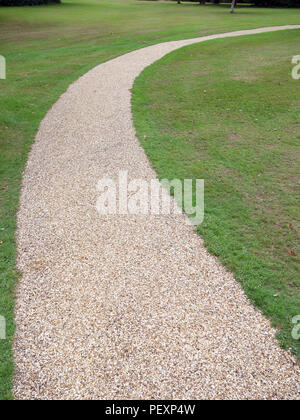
x=227 y=111
x=49 y=47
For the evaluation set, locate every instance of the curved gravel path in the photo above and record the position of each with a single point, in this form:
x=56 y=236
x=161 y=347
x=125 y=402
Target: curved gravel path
x=125 y=307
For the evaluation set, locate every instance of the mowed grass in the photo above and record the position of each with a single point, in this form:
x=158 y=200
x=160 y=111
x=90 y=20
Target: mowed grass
x=227 y=111
x=49 y=47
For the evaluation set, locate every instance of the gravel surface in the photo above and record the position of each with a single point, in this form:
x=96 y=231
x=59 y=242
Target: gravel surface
x=117 y=307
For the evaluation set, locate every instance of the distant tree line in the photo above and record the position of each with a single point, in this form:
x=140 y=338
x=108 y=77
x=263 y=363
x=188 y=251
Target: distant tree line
x=278 y=3
x=26 y=2
x=259 y=3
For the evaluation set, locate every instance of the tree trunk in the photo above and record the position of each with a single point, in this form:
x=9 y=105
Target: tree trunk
x=202 y=2
x=233 y=5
